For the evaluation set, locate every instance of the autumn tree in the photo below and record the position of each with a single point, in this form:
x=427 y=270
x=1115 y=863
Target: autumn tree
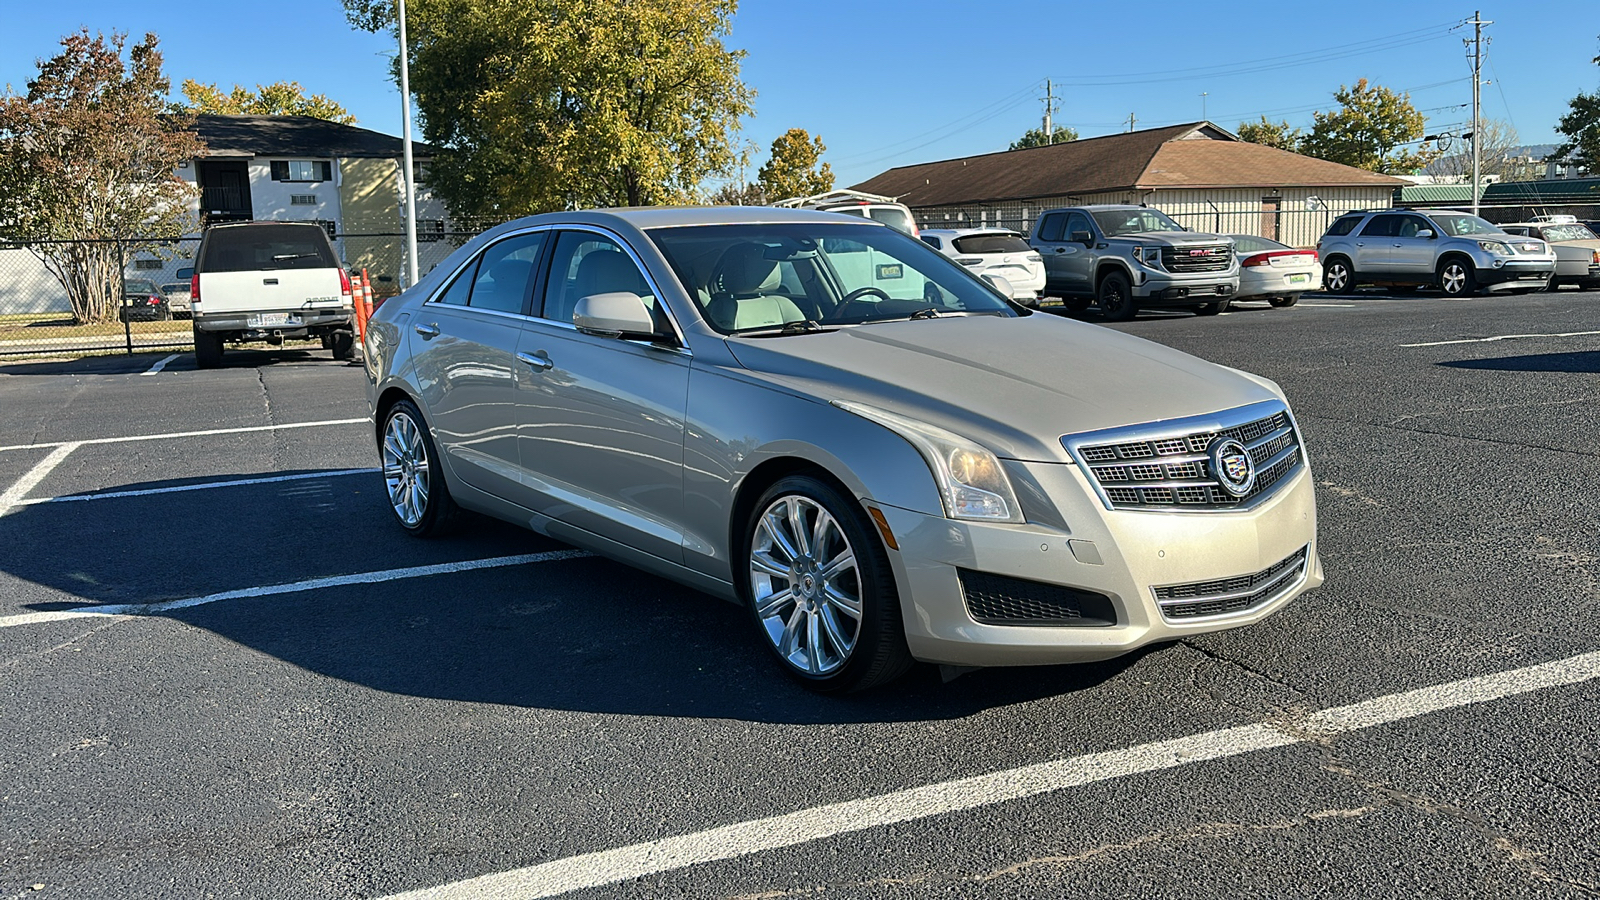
x=1271 y=134
x=87 y=156
x=1035 y=137
x=1581 y=127
x=739 y=193
x=792 y=168
x=535 y=105
x=1368 y=130
x=281 y=98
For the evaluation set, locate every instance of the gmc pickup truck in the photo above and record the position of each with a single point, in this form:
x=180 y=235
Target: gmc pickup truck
x=269 y=281
x=1124 y=258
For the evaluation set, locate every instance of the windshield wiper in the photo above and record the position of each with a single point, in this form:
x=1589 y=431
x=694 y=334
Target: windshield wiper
x=930 y=312
x=805 y=326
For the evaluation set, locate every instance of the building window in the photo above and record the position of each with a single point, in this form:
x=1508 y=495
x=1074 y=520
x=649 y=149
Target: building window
x=328 y=225
x=302 y=170
x=420 y=170
x=430 y=229
x=302 y=199
x=147 y=264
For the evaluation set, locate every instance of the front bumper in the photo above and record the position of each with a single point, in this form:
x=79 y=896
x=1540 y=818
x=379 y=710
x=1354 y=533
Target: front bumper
x=299 y=320
x=1122 y=555
x=1156 y=287
x=1527 y=273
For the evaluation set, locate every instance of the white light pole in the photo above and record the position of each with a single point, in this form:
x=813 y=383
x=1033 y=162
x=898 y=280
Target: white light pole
x=405 y=137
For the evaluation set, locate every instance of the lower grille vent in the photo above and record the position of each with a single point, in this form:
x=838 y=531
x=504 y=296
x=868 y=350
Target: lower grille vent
x=1001 y=600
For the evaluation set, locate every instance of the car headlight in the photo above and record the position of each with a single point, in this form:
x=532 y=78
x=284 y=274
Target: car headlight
x=971 y=482
x=1496 y=247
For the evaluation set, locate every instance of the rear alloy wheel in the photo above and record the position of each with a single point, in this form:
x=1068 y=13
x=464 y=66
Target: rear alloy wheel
x=1457 y=278
x=1284 y=302
x=1115 y=297
x=820 y=589
x=411 y=473
x=1338 y=277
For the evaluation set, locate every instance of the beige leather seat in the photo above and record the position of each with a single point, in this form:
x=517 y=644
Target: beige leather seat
x=743 y=291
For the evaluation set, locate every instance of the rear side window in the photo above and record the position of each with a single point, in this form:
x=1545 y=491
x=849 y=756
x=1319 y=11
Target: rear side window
x=892 y=216
x=1050 y=228
x=504 y=280
x=1343 y=226
x=1382 y=226
x=990 y=243
x=266 y=247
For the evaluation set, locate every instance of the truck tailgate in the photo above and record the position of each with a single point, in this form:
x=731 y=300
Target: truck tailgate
x=280 y=289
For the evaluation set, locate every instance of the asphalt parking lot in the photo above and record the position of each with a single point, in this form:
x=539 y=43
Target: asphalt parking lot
x=225 y=672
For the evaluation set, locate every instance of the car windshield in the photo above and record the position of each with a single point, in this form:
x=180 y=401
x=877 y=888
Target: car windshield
x=136 y=286
x=1457 y=224
x=763 y=277
x=1567 y=233
x=991 y=243
x=1114 y=222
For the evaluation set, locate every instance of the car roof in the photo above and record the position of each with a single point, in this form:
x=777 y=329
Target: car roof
x=647 y=217
x=965 y=232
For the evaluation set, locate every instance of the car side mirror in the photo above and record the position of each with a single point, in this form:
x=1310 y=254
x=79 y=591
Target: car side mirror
x=1083 y=237
x=619 y=314
x=1425 y=233
x=1000 y=283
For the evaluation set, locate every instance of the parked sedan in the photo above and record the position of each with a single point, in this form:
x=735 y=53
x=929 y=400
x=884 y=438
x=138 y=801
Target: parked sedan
x=142 y=301
x=764 y=404
x=993 y=251
x=1277 y=273
x=1577 y=251
x=178 y=293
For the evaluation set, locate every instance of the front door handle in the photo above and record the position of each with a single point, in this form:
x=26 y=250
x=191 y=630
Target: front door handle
x=540 y=363
x=1061 y=249
x=428 y=332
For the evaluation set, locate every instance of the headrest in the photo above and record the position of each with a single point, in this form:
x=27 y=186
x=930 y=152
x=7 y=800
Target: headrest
x=608 y=271
x=744 y=269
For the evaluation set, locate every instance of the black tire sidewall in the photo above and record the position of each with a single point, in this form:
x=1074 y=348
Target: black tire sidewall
x=1349 y=276
x=343 y=344
x=880 y=654
x=1469 y=287
x=1127 y=310
x=1285 y=302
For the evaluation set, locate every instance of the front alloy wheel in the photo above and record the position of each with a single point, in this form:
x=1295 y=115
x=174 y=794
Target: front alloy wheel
x=820 y=589
x=1457 y=279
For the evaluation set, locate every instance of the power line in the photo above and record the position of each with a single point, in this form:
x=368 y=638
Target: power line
x=960 y=122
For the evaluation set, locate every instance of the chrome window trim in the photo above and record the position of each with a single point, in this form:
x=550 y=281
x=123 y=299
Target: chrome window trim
x=1177 y=428
x=433 y=299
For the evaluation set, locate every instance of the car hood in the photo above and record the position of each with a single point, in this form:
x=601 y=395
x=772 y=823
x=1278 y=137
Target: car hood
x=1015 y=385
x=1174 y=238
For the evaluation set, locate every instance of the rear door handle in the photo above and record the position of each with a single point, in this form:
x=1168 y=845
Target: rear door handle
x=428 y=332
x=541 y=363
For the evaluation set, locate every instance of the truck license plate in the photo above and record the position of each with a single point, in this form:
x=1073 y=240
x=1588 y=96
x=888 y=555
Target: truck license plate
x=268 y=320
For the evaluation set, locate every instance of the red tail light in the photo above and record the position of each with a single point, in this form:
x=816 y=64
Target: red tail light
x=344 y=284
x=194 y=288
x=1265 y=259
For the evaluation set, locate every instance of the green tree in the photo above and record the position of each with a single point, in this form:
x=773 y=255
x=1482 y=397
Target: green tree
x=739 y=193
x=88 y=155
x=534 y=105
x=1581 y=126
x=1272 y=134
x=791 y=169
x=281 y=98
x=1368 y=129
x=1035 y=137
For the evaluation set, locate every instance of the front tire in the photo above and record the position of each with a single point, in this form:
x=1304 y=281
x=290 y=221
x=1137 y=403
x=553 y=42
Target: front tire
x=820 y=590
x=1115 y=297
x=1214 y=308
x=1338 y=276
x=1285 y=302
x=413 y=474
x=1457 y=278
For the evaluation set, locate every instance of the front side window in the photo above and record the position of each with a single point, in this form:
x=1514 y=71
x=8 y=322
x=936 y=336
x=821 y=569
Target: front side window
x=748 y=278
x=1078 y=222
x=585 y=264
x=1411 y=226
x=1115 y=222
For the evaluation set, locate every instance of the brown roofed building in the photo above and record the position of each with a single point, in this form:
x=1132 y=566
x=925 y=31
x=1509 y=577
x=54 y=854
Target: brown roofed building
x=1199 y=174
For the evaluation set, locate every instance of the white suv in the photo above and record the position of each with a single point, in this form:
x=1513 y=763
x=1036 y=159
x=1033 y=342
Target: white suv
x=993 y=251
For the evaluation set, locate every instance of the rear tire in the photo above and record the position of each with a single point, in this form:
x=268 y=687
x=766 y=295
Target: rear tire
x=1338 y=276
x=1076 y=306
x=413 y=474
x=1115 y=297
x=825 y=606
x=1213 y=308
x=342 y=343
x=207 y=349
x=1284 y=302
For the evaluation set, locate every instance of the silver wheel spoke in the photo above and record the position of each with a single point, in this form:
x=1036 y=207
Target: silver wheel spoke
x=791 y=633
x=838 y=600
x=839 y=564
x=819 y=533
x=797 y=526
x=770 y=605
x=774 y=527
x=814 y=643
x=830 y=625
x=763 y=563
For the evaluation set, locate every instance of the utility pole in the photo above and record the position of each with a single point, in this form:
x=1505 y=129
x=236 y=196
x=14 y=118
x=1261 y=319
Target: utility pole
x=1477 y=24
x=1049 y=108
x=1203 y=95
x=1131 y=122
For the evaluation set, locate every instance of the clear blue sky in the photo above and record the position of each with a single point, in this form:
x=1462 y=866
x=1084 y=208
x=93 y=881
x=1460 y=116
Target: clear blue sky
x=893 y=83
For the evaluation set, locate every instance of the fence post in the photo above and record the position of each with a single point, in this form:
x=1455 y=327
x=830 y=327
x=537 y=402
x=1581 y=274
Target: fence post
x=122 y=295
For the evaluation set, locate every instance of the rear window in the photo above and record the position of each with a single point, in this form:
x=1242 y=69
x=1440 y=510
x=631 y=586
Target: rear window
x=1344 y=225
x=1251 y=244
x=991 y=243
x=264 y=247
x=892 y=216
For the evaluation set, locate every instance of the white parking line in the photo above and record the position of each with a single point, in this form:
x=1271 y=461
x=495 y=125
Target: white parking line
x=205 y=486
x=1329 y=305
x=185 y=434
x=1504 y=337
x=13 y=495
x=160 y=365
x=295 y=587
x=592 y=870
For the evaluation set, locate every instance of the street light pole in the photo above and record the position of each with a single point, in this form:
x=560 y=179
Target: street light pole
x=405 y=137
x=1477 y=85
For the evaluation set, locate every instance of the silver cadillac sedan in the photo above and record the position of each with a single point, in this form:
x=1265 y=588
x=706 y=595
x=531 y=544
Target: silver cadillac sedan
x=831 y=424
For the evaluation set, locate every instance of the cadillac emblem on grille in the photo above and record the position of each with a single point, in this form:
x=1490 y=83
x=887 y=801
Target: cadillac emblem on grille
x=1235 y=470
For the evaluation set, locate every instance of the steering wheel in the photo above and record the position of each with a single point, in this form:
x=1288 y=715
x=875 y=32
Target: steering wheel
x=855 y=297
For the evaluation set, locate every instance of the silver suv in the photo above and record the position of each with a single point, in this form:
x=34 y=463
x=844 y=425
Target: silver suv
x=1457 y=252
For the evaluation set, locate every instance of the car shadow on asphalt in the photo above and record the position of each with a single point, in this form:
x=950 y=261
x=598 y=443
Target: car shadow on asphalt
x=1582 y=362
x=585 y=634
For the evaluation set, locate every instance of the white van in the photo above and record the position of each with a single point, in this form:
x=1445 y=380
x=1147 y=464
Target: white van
x=857 y=203
x=269 y=281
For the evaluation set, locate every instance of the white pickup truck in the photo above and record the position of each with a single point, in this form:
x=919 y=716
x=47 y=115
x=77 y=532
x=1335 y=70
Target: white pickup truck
x=269 y=281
